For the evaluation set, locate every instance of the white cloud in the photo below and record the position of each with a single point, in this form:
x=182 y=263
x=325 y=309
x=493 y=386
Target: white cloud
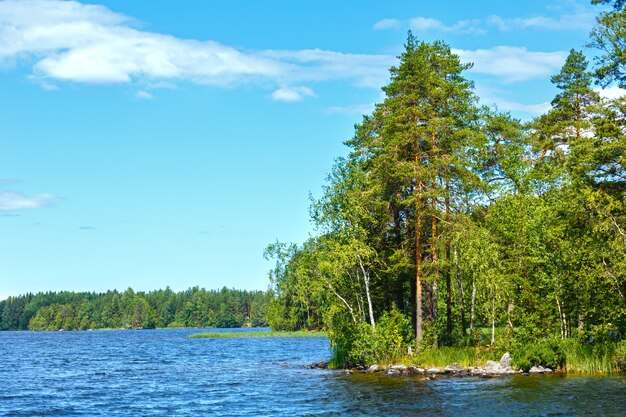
x=292 y=94
x=425 y=23
x=611 y=92
x=352 y=110
x=513 y=64
x=512 y=106
x=580 y=20
x=144 y=95
x=3 y=297
x=72 y=42
x=468 y=26
x=387 y=24
x=319 y=65
x=571 y=16
x=66 y=41
x=11 y=201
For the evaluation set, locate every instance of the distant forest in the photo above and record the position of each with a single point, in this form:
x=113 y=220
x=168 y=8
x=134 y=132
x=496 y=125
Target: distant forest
x=194 y=307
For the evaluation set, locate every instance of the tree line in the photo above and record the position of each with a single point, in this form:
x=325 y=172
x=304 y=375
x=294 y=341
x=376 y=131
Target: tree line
x=194 y=307
x=452 y=223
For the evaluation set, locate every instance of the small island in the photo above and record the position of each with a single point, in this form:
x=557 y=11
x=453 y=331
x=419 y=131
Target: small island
x=453 y=233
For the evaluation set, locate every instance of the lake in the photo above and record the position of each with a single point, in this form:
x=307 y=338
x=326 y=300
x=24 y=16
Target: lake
x=163 y=373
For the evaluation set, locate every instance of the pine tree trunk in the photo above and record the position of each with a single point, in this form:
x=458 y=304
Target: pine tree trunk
x=433 y=243
x=435 y=259
x=448 y=268
x=418 y=253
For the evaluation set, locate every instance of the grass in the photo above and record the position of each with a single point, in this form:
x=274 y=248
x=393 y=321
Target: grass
x=236 y=335
x=443 y=356
x=588 y=361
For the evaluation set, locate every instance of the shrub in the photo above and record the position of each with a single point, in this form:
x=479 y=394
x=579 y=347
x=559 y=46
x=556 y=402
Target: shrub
x=360 y=345
x=542 y=352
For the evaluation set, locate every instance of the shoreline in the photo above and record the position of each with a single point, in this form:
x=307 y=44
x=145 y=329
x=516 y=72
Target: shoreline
x=451 y=371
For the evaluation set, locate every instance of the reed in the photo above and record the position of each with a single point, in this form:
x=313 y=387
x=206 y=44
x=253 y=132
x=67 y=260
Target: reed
x=443 y=356
x=589 y=360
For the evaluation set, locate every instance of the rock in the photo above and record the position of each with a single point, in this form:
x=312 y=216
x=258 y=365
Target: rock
x=539 y=370
x=373 y=368
x=393 y=372
x=505 y=361
x=434 y=371
x=492 y=366
x=414 y=370
x=454 y=368
x=400 y=368
x=319 y=365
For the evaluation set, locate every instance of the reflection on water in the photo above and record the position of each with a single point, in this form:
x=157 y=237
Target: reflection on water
x=162 y=373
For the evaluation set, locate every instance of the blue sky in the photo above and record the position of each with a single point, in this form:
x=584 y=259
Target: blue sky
x=160 y=143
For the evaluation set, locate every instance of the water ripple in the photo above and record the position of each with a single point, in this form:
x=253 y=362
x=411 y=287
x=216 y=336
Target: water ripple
x=163 y=373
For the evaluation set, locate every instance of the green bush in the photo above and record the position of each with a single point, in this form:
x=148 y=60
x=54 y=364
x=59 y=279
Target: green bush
x=542 y=352
x=361 y=345
x=393 y=336
x=342 y=334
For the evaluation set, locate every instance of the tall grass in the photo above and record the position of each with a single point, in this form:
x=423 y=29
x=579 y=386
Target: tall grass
x=599 y=360
x=443 y=356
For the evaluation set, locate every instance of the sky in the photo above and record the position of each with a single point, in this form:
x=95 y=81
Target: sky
x=167 y=143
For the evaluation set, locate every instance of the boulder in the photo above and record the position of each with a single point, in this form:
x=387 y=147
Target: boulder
x=505 y=361
x=492 y=366
x=414 y=370
x=434 y=371
x=454 y=368
x=539 y=370
x=319 y=365
x=393 y=372
x=373 y=368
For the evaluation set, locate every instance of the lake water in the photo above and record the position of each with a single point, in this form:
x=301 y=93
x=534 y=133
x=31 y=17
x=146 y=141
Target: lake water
x=163 y=373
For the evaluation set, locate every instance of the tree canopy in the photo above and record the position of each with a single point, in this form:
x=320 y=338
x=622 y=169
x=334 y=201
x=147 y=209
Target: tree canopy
x=450 y=223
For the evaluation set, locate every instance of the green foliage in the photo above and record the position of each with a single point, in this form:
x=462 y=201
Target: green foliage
x=163 y=308
x=485 y=232
x=608 y=36
x=541 y=352
x=617 y=4
x=361 y=345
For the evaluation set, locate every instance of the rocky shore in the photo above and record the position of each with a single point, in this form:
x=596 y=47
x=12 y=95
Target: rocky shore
x=490 y=369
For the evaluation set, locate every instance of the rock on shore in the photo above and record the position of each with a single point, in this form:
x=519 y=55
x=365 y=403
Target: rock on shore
x=490 y=369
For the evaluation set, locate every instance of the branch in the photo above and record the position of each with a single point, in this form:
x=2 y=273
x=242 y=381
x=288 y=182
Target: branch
x=342 y=299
